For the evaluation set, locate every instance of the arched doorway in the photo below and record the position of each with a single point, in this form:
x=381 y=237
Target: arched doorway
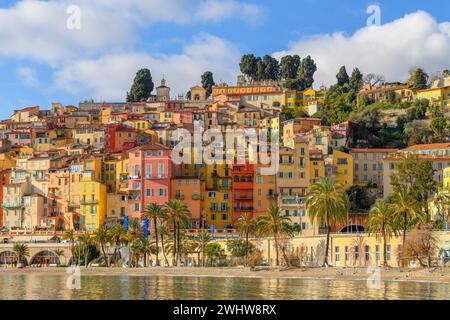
x=355 y=228
x=44 y=259
x=8 y=258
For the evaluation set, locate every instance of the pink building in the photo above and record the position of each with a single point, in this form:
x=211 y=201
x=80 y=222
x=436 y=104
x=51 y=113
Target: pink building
x=20 y=137
x=150 y=170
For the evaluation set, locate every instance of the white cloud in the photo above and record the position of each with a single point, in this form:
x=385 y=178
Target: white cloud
x=215 y=10
x=391 y=49
x=110 y=77
x=38 y=29
x=28 y=76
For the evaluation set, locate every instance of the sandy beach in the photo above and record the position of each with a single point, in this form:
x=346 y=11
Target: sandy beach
x=357 y=274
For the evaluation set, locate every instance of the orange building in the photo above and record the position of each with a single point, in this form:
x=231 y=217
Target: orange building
x=190 y=192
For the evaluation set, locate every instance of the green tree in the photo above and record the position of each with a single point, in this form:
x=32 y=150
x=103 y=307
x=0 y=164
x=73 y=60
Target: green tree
x=405 y=207
x=215 y=253
x=142 y=86
x=246 y=225
x=271 y=68
x=59 y=253
x=240 y=248
x=382 y=224
x=327 y=204
x=337 y=107
x=342 y=77
x=208 y=82
x=178 y=215
x=356 y=80
x=201 y=241
x=70 y=236
x=418 y=79
x=274 y=224
x=248 y=66
x=306 y=72
x=155 y=213
x=101 y=236
x=289 y=66
x=418 y=177
x=22 y=251
x=116 y=235
x=85 y=241
x=438 y=125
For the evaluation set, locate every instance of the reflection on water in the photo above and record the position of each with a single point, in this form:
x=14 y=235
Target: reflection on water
x=38 y=286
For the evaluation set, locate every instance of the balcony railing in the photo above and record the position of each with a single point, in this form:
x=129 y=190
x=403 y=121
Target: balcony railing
x=243 y=208
x=89 y=201
x=12 y=205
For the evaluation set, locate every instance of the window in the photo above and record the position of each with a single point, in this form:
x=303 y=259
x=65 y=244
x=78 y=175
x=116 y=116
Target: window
x=377 y=252
x=367 y=253
x=346 y=253
x=149 y=192
x=136 y=207
x=224 y=216
x=211 y=194
x=365 y=167
x=336 y=254
x=356 y=253
x=213 y=216
x=161 y=192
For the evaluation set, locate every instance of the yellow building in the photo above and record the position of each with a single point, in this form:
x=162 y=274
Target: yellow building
x=217 y=199
x=439 y=93
x=316 y=166
x=92 y=202
x=341 y=168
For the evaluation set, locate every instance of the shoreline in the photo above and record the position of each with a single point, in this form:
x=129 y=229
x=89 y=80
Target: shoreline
x=334 y=274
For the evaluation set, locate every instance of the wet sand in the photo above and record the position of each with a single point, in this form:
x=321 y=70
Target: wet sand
x=393 y=274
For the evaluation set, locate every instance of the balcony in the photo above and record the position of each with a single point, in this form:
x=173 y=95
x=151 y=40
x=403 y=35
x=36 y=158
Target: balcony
x=12 y=206
x=179 y=196
x=135 y=186
x=89 y=202
x=243 y=197
x=243 y=209
x=134 y=177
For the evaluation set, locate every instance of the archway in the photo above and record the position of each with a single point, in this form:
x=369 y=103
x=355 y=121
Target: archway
x=8 y=258
x=354 y=228
x=44 y=259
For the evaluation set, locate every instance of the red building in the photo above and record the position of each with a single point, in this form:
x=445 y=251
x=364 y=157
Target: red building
x=243 y=180
x=5 y=179
x=151 y=169
x=110 y=136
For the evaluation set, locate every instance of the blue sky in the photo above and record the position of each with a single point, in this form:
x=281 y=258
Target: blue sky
x=41 y=61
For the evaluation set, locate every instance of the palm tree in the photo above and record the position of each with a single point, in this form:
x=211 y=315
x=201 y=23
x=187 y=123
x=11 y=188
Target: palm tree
x=274 y=224
x=22 y=251
x=102 y=237
x=85 y=241
x=162 y=230
x=178 y=215
x=382 y=223
x=59 y=253
x=200 y=243
x=70 y=235
x=116 y=234
x=246 y=225
x=154 y=212
x=405 y=206
x=327 y=203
